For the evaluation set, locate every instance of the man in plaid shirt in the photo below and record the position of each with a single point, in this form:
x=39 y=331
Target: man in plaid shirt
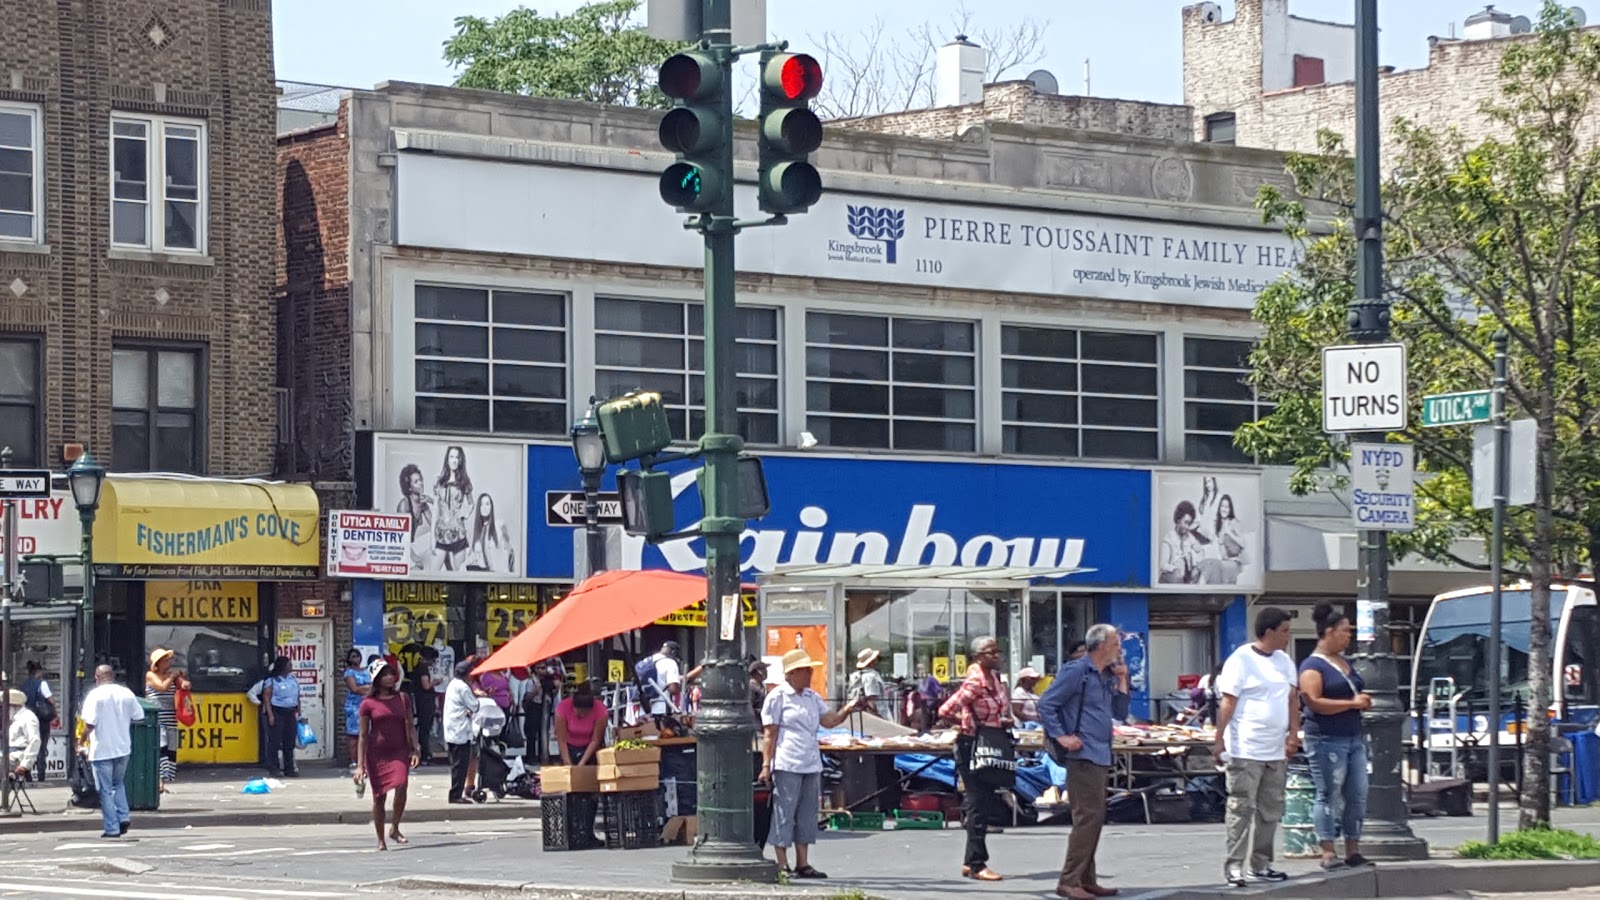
x=981 y=701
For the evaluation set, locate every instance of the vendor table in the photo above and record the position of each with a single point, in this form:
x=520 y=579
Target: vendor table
x=869 y=774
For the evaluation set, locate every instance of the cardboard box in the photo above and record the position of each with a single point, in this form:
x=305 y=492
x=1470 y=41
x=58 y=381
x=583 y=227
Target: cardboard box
x=611 y=756
x=569 y=779
x=630 y=784
x=680 y=830
x=644 y=731
x=640 y=770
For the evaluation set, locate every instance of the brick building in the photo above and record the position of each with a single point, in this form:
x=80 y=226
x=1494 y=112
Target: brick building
x=1265 y=78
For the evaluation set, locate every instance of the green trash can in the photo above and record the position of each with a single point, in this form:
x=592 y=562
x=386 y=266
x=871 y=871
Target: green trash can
x=1299 y=834
x=144 y=766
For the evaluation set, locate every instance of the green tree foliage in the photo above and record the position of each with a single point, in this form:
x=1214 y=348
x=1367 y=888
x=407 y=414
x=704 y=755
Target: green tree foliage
x=1498 y=234
x=597 y=53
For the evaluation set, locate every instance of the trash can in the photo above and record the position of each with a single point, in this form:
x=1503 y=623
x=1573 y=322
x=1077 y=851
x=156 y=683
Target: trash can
x=144 y=766
x=1299 y=833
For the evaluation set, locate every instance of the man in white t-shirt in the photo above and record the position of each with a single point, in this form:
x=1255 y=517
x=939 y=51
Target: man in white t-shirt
x=1258 y=727
x=109 y=711
x=668 y=681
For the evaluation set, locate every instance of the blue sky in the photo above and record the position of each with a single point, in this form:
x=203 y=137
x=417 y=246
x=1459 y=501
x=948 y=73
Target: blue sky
x=1135 y=46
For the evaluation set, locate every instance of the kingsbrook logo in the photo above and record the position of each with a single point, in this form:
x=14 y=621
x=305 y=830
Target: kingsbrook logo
x=764 y=550
x=882 y=225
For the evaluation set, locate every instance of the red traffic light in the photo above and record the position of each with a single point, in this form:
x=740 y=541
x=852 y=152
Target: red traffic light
x=795 y=77
x=689 y=76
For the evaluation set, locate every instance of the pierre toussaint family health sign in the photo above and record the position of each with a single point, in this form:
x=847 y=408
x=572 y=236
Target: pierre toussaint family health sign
x=368 y=544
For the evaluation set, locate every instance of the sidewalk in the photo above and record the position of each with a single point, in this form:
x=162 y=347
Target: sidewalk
x=322 y=795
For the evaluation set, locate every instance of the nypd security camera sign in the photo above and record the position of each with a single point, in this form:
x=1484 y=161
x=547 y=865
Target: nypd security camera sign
x=1364 y=388
x=1382 y=489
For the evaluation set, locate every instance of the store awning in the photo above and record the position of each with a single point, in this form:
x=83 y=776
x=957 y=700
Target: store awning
x=1320 y=554
x=178 y=528
x=906 y=573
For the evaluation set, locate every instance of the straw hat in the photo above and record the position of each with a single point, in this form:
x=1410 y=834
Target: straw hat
x=1028 y=672
x=797 y=659
x=866 y=658
x=16 y=697
x=157 y=656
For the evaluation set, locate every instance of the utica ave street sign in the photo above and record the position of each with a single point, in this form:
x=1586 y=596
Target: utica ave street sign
x=1461 y=408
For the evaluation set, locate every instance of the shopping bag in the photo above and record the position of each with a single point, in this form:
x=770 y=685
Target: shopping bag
x=994 y=757
x=183 y=704
x=304 y=736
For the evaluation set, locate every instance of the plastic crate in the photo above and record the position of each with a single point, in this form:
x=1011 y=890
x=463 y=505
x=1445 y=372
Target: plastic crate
x=861 y=821
x=915 y=819
x=633 y=819
x=569 y=821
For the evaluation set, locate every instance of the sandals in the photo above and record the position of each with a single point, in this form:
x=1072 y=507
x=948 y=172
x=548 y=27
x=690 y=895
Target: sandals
x=808 y=872
x=982 y=873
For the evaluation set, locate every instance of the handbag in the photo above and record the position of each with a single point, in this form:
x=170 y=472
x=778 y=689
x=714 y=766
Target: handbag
x=994 y=757
x=183 y=706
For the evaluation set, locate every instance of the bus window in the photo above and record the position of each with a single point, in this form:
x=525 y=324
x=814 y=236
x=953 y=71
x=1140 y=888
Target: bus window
x=1455 y=642
x=1582 y=650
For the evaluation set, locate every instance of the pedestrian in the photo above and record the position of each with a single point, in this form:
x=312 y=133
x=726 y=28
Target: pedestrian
x=357 y=685
x=280 y=700
x=1258 y=723
x=109 y=711
x=791 y=761
x=758 y=685
x=161 y=686
x=23 y=736
x=867 y=682
x=661 y=678
x=1079 y=711
x=424 y=702
x=497 y=687
x=42 y=702
x=1335 y=697
x=386 y=748
x=1024 y=702
x=980 y=702
x=459 y=705
x=580 y=726
x=1078 y=651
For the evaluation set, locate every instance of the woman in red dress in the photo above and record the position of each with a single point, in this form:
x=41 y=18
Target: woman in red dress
x=386 y=747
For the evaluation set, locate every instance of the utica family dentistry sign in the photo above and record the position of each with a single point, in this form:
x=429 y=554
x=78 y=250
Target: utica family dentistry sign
x=592 y=214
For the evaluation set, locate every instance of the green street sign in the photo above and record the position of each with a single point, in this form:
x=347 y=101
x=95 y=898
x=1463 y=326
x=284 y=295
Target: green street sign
x=1464 y=408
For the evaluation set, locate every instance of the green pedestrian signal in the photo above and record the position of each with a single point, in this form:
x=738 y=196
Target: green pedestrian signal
x=788 y=133
x=696 y=130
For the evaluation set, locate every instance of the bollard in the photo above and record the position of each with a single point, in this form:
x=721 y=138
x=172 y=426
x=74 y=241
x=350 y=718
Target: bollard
x=1299 y=835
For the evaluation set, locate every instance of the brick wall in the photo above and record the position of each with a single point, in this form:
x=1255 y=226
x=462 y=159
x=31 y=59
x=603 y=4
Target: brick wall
x=79 y=61
x=1017 y=102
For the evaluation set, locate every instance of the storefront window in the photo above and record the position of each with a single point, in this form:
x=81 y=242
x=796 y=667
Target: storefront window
x=214 y=630
x=425 y=615
x=1056 y=621
x=924 y=631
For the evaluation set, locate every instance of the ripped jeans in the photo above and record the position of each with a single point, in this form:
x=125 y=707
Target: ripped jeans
x=1339 y=769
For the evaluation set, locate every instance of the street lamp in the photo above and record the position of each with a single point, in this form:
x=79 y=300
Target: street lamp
x=85 y=479
x=589 y=448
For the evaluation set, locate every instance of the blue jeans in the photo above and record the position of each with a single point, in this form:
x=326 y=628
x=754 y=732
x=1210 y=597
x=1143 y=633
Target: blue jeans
x=108 y=780
x=1339 y=769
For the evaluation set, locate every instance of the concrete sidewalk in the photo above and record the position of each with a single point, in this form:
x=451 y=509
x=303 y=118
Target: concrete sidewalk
x=321 y=795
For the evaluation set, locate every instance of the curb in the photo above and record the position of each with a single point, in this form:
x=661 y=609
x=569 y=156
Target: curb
x=737 y=891
x=1417 y=879
x=90 y=820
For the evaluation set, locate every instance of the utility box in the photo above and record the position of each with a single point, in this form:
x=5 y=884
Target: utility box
x=144 y=766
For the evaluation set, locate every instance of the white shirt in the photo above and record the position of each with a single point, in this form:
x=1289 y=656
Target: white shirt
x=1260 y=724
x=111 y=709
x=459 y=705
x=24 y=738
x=798 y=715
x=667 y=673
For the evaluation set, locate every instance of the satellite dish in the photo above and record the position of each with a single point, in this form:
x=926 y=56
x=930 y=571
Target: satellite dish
x=1043 y=82
x=1521 y=25
x=1579 y=16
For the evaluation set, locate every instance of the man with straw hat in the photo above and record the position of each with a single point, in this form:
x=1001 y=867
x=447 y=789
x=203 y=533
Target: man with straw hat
x=866 y=683
x=24 y=734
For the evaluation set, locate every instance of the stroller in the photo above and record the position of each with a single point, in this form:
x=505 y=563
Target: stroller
x=500 y=771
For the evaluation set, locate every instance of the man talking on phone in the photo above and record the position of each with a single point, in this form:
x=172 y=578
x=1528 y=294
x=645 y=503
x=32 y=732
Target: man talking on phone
x=1088 y=697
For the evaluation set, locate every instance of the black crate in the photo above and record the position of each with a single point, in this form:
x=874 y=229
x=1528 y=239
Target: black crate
x=569 y=821
x=633 y=819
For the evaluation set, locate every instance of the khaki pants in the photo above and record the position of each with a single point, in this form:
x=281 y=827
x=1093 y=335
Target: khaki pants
x=1255 y=806
x=1086 y=791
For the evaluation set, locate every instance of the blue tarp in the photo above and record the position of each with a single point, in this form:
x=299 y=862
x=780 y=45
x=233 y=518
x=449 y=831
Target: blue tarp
x=1032 y=777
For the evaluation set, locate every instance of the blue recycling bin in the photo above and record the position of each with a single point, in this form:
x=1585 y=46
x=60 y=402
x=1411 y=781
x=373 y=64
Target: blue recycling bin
x=1585 y=767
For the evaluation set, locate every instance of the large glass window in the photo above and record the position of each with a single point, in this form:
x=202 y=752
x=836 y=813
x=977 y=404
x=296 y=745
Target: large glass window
x=925 y=631
x=659 y=345
x=1073 y=393
x=1216 y=398
x=158 y=184
x=891 y=383
x=20 y=400
x=20 y=174
x=491 y=360
x=155 y=410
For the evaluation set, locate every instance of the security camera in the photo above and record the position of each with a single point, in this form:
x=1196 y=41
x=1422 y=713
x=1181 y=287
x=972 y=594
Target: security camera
x=807 y=440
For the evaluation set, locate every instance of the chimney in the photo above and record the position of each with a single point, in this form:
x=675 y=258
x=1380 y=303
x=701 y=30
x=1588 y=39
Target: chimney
x=958 y=73
x=1490 y=23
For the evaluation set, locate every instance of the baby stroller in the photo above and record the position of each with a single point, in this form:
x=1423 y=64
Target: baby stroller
x=499 y=773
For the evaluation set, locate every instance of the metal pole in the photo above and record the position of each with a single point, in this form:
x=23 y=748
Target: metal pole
x=596 y=542
x=85 y=636
x=725 y=850
x=1386 y=835
x=5 y=634
x=1502 y=475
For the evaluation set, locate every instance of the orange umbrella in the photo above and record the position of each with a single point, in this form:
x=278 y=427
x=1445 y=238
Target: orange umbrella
x=603 y=606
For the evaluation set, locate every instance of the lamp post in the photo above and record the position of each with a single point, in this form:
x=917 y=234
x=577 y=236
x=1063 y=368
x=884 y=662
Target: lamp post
x=590 y=450
x=85 y=479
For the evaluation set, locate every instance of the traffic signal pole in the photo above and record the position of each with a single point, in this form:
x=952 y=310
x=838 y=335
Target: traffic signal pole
x=725 y=849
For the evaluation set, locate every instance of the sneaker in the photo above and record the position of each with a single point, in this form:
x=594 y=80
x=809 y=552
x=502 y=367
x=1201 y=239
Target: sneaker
x=1328 y=865
x=123 y=828
x=1356 y=861
x=1269 y=874
x=1234 y=877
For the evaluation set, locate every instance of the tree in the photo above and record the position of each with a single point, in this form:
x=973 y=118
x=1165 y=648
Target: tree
x=598 y=53
x=1498 y=235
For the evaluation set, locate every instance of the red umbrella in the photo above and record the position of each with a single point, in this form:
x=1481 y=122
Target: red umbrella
x=605 y=605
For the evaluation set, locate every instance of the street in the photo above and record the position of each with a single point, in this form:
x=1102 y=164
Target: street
x=495 y=858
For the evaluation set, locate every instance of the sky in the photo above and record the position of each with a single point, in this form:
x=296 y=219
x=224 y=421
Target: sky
x=1134 y=47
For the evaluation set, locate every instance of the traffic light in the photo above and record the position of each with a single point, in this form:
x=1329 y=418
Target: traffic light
x=789 y=132
x=695 y=130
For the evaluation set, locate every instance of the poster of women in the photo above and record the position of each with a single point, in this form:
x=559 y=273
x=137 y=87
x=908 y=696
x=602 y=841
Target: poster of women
x=1208 y=529
x=465 y=499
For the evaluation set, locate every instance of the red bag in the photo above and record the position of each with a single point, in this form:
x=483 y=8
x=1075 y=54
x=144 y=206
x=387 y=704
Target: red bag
x=183 y=703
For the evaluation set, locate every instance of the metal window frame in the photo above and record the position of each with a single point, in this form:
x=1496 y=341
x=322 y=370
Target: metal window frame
x=1077 y=361
x=155 y=170
x=1256 y=406
x=152 y=408
x=35 y=115
x=36 y=403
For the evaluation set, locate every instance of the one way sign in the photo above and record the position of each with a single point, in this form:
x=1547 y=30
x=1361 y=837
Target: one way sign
x=24 y=484
x=563 y=508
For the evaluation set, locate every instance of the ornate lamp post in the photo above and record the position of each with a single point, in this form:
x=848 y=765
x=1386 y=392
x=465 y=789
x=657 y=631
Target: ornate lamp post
x=589 y=448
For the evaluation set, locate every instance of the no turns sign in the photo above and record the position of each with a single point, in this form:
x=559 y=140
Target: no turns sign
x=1364 y=388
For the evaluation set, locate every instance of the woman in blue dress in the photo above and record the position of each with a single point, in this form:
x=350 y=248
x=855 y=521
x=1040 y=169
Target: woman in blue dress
x=357 y=685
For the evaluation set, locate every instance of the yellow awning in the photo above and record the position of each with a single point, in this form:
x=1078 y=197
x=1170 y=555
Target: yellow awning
x=206 y=528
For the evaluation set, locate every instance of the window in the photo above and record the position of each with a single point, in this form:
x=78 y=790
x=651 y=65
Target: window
x=1216 y=399
x=659 y=345
x=20 y=401
x=491 y=360
x=891 y=383
x=21 y=177
x=1220 y=128
x=158 y=191
x=155 y=410
x=1066 y=392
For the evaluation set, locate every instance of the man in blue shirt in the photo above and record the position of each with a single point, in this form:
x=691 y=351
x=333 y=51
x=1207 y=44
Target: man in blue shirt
x=1089 y=695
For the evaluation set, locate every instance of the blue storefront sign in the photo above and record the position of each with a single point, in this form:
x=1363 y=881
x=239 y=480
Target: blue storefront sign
x=827 y=509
